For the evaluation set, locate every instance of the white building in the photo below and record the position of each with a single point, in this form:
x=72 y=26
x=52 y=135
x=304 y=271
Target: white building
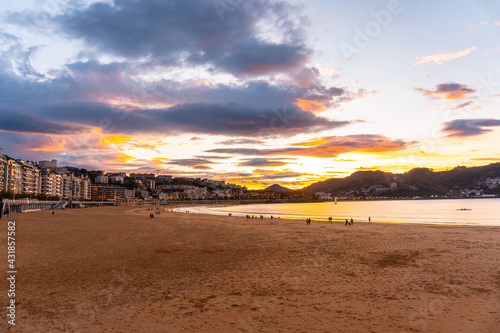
x=30 y=178
x=14 y=177
x=117 y=177
x=85 y=188
x=323 y=195
x=3 y=173
x=101 y=179
x=196 y=193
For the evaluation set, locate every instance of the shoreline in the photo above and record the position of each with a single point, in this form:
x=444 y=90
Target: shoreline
x=314 y=219
x=176 y=206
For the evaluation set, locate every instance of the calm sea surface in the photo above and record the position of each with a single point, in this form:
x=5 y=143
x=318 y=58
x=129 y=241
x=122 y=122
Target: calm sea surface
x=479 y=211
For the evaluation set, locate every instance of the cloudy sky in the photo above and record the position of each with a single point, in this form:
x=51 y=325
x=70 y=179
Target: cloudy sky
x=255 y=92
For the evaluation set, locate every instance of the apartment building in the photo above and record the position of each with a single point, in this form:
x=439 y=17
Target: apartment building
x=51 y=165
x=104 y=193
x=85 y=188
x=52 y=184
x=30 y=178
x=14 y=176
x=3 y=173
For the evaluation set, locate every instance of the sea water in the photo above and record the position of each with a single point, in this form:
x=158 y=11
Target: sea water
x=484 y=211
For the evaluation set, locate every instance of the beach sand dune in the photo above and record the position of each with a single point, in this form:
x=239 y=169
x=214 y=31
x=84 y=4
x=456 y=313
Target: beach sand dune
x=112 y=269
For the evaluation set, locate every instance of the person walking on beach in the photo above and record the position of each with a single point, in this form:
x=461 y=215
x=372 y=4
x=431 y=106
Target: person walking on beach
x=369 y=219
x=352 y=221
x=346 y=222
x=330 y=219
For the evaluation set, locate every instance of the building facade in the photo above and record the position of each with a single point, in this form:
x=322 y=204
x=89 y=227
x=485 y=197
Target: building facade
x=30 y=178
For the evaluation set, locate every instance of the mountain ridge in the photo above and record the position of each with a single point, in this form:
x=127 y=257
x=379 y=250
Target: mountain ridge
x=277 y=188
x=418 y=181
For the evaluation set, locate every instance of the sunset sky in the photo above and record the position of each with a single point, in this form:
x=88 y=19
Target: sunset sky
x=252 y=92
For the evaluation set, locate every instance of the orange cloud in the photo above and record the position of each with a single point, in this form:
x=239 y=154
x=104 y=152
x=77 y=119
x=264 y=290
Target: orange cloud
x=327 y=147
x=450 y=91
x=201 y=82
x=312 y=143
x=48 y=149
x=124 y=158
x=115 y=139
x=308 y=105
x=442 y=57
x=158 y=161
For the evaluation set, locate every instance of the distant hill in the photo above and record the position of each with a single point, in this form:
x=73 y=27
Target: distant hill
x=277 y=189
x=419 y=181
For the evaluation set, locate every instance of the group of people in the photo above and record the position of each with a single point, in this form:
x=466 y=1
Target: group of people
x=249 y=217
x=157 y=212
x=347 y=221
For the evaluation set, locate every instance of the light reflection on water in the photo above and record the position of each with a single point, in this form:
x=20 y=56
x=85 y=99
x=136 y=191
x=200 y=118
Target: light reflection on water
x=479 y=211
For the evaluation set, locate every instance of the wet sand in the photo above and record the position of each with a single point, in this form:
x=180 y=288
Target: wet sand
x=112 y=269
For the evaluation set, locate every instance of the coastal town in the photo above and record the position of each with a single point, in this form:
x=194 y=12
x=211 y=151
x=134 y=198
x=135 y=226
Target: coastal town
x=45 y=180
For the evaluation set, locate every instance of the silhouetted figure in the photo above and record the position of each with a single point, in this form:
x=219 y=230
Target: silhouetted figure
x=52 y=212
x=346 y=222
x=330 y=219
x=271 y=217
x=369 y=219
x=352 y=221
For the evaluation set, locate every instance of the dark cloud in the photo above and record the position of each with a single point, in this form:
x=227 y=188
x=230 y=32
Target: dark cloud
x=280 y=175
x=213 y=157
x=80 y=97
x=231 y=142
x=326 y=147
x=452 y=91
x=262 y=162
x=195 y=163
x=240 y=151
x=255 y=57
x=20 y=122
x=98 y=82
x=463 y=105
x=469 y=127
x=228 y=119
x=87 y=94
x=170 y=33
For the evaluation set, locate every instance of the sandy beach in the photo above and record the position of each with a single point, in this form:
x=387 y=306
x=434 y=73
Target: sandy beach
x=112 y=269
